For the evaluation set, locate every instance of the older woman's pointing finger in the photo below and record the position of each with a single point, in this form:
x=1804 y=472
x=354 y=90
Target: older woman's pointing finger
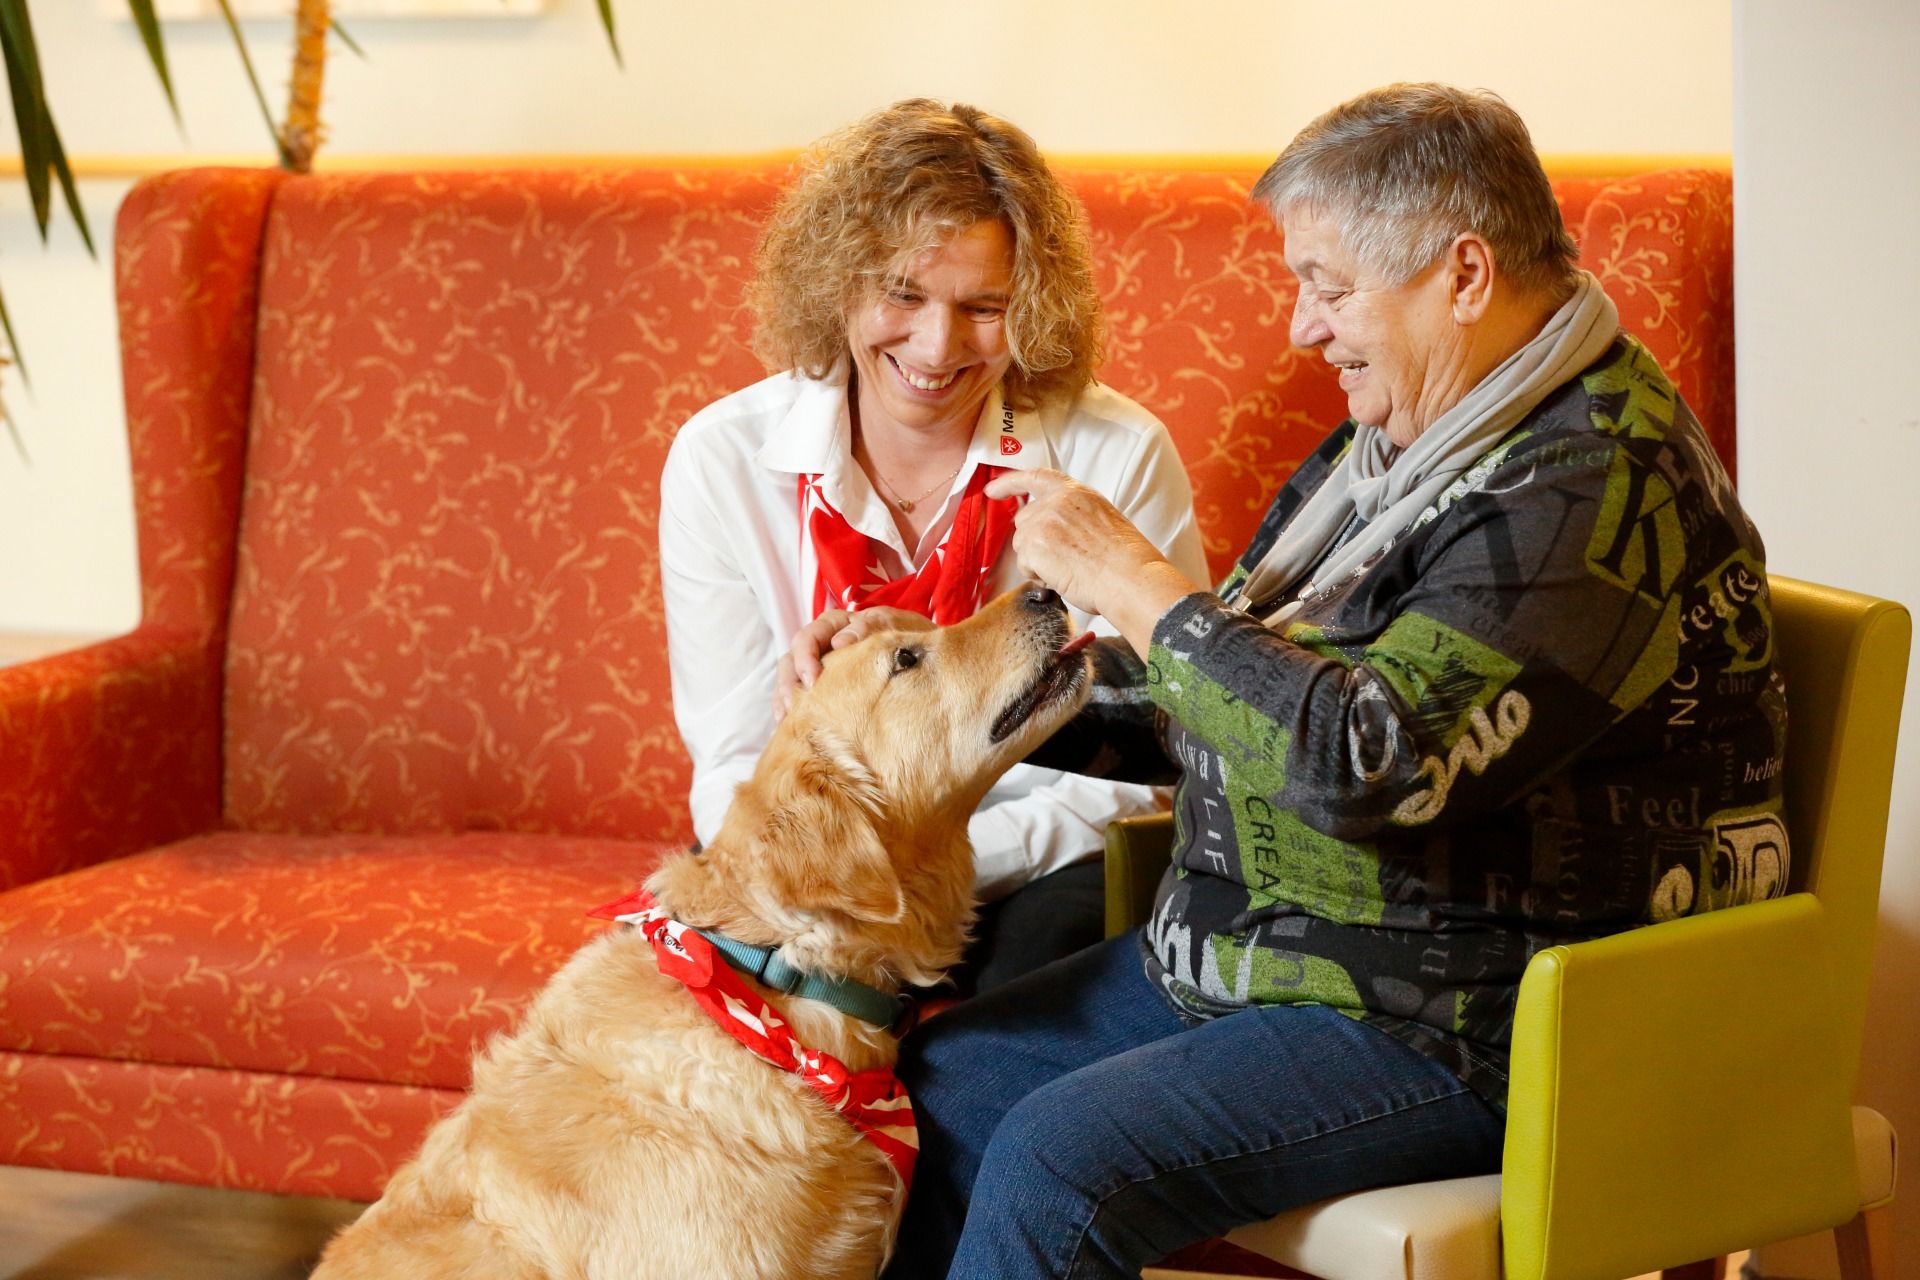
x=1074 y=540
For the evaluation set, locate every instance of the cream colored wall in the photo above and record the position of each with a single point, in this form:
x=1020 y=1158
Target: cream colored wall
x=1082 y=75
x=751 y=75
x=66 y=517
x=1827 y=194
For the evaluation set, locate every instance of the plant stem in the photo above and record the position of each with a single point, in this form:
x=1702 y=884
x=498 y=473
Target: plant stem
x=302 y=131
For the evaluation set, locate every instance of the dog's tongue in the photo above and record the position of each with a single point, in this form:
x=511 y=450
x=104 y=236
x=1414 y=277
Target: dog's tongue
x=1076 y=644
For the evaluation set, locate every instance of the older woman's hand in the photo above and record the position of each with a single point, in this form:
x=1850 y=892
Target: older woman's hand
x=1072 y=539
x=835 y=629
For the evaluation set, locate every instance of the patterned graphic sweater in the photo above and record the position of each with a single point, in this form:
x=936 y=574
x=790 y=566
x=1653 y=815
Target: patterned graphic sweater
x=1548 y=712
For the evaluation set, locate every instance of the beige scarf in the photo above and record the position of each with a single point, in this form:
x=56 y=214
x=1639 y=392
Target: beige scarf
x=1388 y=487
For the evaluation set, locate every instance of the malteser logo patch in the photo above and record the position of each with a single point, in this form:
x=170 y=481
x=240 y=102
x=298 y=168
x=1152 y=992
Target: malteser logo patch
x=1009 y=445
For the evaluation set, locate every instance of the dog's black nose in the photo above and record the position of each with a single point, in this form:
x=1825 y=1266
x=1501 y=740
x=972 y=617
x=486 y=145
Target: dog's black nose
x=1041 y=598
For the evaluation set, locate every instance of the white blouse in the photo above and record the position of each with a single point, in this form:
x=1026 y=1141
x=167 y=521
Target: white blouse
x=738 y=574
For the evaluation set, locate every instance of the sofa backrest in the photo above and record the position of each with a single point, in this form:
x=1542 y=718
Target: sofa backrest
x=446 y=612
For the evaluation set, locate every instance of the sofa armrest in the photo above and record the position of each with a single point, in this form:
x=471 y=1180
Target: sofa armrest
x=1138 y=851
x=1686 y=1078
x=107 y=750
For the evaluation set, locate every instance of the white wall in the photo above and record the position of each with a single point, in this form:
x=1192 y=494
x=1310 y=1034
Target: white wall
x=66 y=515
x=1827 y=259
x=1127 y=76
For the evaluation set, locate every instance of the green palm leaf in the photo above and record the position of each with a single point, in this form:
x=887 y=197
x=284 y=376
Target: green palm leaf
x=6 y=323
x=149 y=24
x=334 y=26
x=19 y=445
x=29 y=106
x=266 y=112
x=67 y=189
x=42 y=156
x=56 y=154
x=606 y=20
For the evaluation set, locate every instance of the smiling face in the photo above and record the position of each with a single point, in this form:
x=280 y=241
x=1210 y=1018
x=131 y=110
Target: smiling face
x=931 y=344
x=1401 y=357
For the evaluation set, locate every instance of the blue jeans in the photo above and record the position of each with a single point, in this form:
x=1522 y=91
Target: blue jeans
x=1073 y=1126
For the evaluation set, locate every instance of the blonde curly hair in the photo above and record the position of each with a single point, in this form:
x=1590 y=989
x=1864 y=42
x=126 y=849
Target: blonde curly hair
x=869 y=198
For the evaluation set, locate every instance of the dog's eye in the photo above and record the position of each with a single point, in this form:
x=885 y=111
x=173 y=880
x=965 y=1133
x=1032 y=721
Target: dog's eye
x=905 y=659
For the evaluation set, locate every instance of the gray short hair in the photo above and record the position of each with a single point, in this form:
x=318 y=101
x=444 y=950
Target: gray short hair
x=1405 y=169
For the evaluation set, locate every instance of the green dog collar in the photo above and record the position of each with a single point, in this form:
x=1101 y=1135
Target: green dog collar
x=765 y=965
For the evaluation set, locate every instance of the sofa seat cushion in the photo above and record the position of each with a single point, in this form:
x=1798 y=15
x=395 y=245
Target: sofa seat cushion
x=381 y=959
x=296 y=1135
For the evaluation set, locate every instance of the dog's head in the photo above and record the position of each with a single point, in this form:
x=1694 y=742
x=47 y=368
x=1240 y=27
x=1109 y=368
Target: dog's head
x=933 y=716
x=855 y=818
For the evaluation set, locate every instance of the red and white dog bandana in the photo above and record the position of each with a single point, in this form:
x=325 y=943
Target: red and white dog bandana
x=873 y=1101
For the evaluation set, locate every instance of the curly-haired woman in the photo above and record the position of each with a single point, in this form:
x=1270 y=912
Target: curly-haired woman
x=925 y=286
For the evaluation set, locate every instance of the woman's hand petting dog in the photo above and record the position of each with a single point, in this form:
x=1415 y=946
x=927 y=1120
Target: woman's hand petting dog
x=835 y=629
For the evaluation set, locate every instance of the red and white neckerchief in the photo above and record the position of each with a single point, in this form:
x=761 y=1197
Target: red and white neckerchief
x=873 y=1101
x=948 y=587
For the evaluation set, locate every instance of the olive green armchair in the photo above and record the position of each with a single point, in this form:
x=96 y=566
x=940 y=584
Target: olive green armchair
x=1681 y=1091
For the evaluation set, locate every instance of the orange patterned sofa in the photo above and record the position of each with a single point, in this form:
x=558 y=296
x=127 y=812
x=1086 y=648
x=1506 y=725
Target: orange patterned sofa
x=397 y=711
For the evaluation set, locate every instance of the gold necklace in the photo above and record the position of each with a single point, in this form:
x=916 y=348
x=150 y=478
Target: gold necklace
x=908 y=504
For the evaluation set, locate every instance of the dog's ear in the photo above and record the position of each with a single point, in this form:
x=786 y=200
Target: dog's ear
x=825 y=849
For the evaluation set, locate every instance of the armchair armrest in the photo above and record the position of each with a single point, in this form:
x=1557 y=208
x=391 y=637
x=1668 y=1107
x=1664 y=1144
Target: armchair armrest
x=107 y=750
x=1686 y=1077
x=1138 y=851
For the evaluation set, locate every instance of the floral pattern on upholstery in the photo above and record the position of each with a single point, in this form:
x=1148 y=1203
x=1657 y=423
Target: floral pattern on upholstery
x=357 y=957
x=1198 y=301
x=265 y=1131
x=116 y=747
x=448 y=613
x=1574 y=196
x=372 y=959
x=1662 y=244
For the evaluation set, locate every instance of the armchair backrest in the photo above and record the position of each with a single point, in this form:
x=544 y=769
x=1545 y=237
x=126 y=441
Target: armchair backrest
x=1684 y=1090
x=1844 y=657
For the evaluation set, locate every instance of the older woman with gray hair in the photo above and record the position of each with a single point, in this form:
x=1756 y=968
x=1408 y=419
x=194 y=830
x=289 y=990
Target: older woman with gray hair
x=1494 y=674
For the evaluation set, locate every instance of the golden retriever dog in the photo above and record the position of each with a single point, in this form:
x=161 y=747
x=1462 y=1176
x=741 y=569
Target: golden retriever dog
x=620 y=1132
